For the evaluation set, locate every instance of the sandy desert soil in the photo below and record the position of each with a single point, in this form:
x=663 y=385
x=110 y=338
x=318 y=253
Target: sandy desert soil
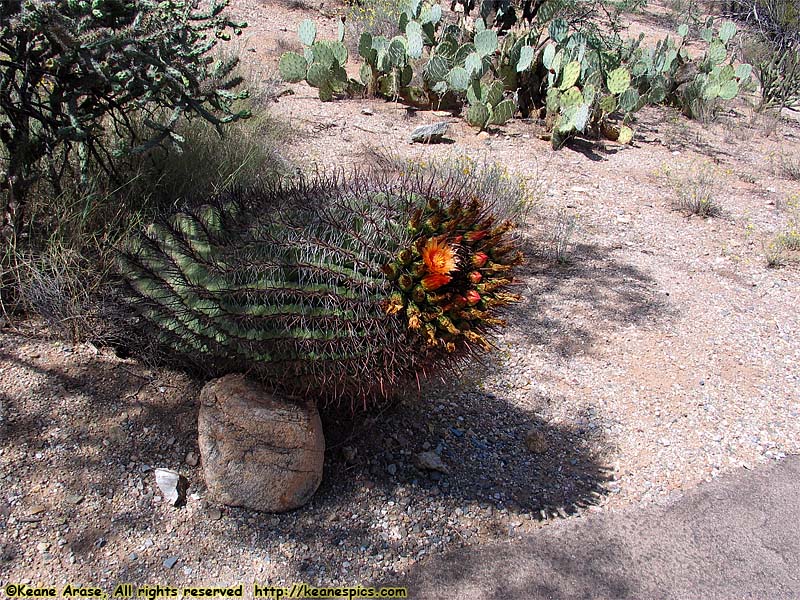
x=663 y=352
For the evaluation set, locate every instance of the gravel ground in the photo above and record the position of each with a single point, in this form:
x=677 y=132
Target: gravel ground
x=660 y=353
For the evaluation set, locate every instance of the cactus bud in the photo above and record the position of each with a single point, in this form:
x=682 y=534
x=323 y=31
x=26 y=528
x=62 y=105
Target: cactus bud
x=390 y=270
x=405 y=256
x=479 y=259
x=405 y=282
x=475 y=236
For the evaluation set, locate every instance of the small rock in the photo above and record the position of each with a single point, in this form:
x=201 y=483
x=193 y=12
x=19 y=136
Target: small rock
x=367 y=111
x=35 y=510
x=430 y=461
x=536 y=441
x=173 y=485
x=214 y=513
x=170 y=562
x=192 y=459
x=117 y=436
x=258 y=450
x=133 y=556
x=430 y=134
x=392 y=469
x=483 y=135
x=349 y=454
x=74 y=499
x=148 y=543
x=42 y=546
x=7 y=553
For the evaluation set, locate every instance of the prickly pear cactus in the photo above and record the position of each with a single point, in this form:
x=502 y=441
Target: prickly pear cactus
x=487 y=106
x=340 y=287
x=321 y=64
x=659 y=73
x=618 y=81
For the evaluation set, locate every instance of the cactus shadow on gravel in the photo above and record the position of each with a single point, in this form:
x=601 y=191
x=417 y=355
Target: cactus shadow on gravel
x=589 y=148
x=373 y=496
x=567 y=308
x=101 y=424
x=496 y=483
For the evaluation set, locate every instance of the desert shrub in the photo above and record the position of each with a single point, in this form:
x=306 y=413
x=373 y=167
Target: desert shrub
x=511 y=194
x=75 y=71
x=785 y=246
x=694 y=190
x=686 y=12
x=557 y=236
x=378 y=17
x=339 y=287
x=783 y=249
x=60 y=264
x=774 y=49
x=789 y=167
x=55 y=284
x=775 y=20
x=779 y=74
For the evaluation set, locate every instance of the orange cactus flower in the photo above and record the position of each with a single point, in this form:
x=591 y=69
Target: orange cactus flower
x=435 y=280
x=439 y=257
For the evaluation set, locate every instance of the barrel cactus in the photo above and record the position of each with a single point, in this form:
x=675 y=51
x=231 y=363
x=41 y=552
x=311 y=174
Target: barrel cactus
x=340 y=287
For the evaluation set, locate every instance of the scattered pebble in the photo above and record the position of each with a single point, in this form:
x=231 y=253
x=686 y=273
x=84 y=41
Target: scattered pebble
x=430 y=461
x=172 y=485
x=430 y=134
x=536 y=441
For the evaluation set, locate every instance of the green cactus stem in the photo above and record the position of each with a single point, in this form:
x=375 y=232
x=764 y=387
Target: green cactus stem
x=339 y=287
